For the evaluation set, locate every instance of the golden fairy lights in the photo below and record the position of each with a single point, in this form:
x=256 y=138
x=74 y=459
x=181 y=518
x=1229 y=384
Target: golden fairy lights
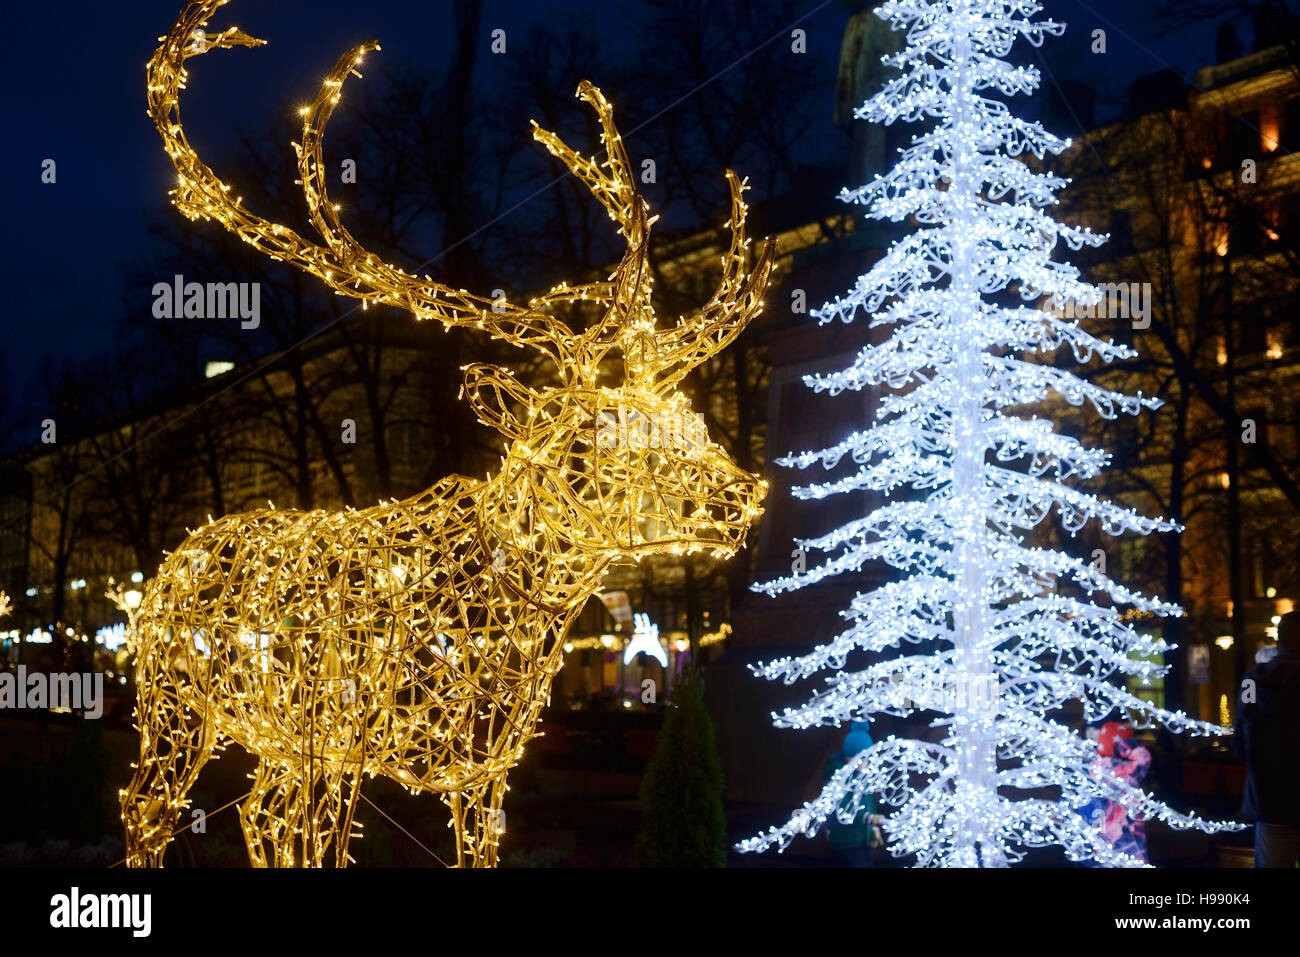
x=418 y=639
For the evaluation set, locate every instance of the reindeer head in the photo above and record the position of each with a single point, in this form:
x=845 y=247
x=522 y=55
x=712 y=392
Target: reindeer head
x=629 y=467
x=622 y=465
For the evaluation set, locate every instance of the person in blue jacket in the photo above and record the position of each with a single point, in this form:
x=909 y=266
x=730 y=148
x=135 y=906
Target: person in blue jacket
x=851 y=844
x=1267 y=740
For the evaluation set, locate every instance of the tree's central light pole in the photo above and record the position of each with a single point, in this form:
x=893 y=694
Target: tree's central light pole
x=969 y=581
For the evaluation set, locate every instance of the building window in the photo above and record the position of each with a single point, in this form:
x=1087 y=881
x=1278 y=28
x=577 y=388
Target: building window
x=1150 y=689
x=1269 y=131
x=1291 y=125
x=1121 y=232
x=1238 y=139
x=1295 y=430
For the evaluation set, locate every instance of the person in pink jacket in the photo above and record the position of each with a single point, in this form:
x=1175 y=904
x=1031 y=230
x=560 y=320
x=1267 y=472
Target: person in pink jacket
x=1119 y=755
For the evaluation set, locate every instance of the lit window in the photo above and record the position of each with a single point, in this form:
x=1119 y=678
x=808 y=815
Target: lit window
x=1268 y=128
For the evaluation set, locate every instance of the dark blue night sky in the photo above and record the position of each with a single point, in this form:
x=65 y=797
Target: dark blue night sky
x=74 y=92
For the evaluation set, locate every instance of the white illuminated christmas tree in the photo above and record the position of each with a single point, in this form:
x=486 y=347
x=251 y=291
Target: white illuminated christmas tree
x=1019 y=630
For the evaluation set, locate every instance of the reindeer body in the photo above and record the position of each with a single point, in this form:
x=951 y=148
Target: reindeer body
x=437 y=685
x=402 y=664
x=419 y=639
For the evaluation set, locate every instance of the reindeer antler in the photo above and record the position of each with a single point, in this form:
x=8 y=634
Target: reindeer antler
x=611 y=181
x=668 y=355
x=346 y=266
x=737 y=300
x=343 y=264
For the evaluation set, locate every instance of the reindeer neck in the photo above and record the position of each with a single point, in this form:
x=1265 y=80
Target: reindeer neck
x=514 y=535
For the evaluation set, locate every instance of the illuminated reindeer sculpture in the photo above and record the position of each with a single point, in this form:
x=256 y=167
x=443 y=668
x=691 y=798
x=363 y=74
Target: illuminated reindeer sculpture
x=418 y=639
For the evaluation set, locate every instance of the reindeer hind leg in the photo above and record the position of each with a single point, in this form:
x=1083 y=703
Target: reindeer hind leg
x=173 y=749
x=479 y=823
x=327 y=804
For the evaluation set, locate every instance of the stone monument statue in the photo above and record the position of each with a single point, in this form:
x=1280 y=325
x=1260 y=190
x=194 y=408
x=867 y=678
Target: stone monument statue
x=867 y=38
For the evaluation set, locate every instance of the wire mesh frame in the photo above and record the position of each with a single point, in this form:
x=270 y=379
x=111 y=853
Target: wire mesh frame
x=418 y=639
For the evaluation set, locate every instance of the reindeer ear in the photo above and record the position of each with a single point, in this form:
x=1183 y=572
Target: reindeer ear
x=491 y=390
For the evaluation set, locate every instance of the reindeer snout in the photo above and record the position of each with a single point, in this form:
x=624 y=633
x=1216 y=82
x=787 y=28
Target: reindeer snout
x=734 y=503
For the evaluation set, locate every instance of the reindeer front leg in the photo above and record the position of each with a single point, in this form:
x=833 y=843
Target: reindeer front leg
x=350 y=791
x=289 y=820
x=267 y=816
x=479 y=822
x=489 y=823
